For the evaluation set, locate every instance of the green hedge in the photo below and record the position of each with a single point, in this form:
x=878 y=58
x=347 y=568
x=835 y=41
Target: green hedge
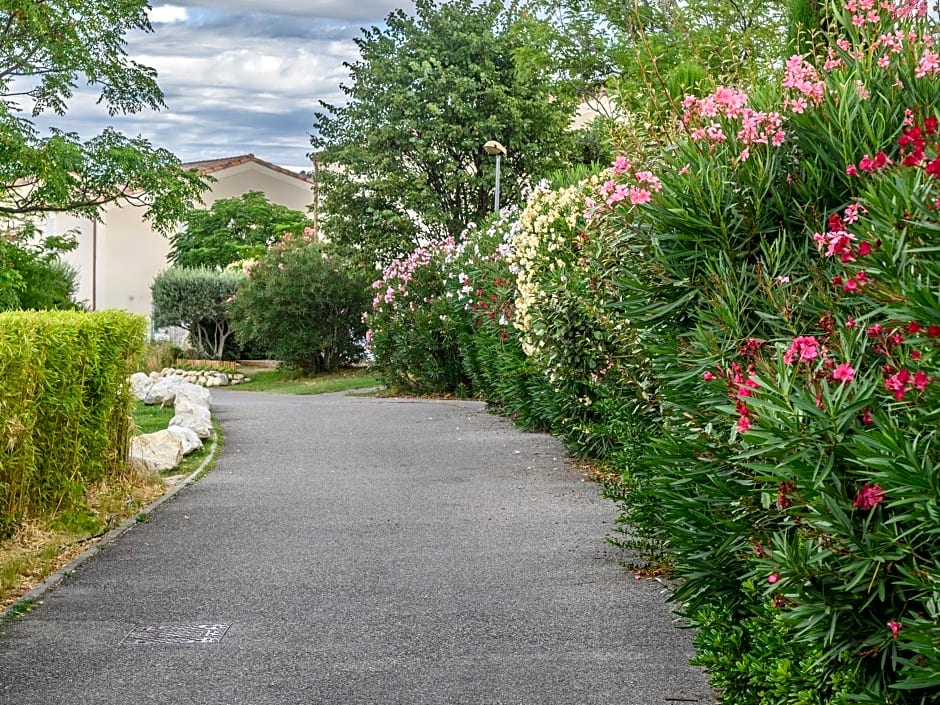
x=752 y=336
x=64 y=406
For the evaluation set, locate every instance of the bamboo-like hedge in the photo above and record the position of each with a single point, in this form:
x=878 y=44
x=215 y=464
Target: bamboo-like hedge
x=64 y=406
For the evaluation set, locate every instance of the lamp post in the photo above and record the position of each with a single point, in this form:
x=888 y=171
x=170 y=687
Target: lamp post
x=493 y=147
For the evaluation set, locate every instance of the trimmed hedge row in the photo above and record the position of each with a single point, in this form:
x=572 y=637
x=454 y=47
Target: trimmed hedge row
x=64 y=406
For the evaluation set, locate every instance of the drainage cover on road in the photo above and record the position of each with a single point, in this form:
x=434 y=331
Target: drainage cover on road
x=177 y=634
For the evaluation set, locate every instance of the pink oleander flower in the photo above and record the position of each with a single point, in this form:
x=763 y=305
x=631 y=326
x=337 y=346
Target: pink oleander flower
x=895 y=627
x=872 y=164
x=866 y=417
x=744 y=424
x=870 y=496
x=855 y=282
x=708 y=376
x=851 y=213
x=621 y=165
x=921 y=379
x=845 y=373
x=648 y=178
x=639 y=196
x=773 y=578
x=929 y=64
x=805 y=348
x=619 y=194
x=898 y=384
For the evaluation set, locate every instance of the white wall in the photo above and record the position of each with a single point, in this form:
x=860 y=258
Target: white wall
x=130 y=253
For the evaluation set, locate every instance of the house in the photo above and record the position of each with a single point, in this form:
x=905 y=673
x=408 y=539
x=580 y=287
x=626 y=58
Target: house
x=118 y=256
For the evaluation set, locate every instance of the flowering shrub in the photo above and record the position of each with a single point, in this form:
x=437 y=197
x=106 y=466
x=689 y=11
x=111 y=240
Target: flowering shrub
x=414 y=328
x=788 y=479
x=752 y=335
x=844 y=425
x=302 y=305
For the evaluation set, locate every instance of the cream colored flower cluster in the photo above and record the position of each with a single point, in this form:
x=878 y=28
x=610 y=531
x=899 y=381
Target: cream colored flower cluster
x=543 y=238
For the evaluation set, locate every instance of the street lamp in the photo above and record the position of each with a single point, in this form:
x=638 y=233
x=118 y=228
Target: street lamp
x=495 y=148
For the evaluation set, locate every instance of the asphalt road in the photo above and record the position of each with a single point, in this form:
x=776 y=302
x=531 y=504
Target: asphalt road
x=359 y=551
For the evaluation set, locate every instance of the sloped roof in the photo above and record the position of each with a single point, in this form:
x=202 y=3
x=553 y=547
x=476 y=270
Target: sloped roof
x=209 y=166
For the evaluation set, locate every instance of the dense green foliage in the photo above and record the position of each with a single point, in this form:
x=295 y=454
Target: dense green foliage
x=403 y=160
x=65 y=405
x=745 y=322
x=302 y=305
x=45 y=49
x=31 y=274
x=231 y=230
x=645 y=55
x=196 y=299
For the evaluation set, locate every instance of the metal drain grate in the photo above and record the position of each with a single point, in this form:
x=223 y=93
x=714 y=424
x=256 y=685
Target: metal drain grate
x=177 y=634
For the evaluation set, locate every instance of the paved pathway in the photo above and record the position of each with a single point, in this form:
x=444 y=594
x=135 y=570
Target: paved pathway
x=360 y=551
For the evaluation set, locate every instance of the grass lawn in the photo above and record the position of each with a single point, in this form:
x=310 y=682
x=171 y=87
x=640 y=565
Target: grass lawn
x=291 y=382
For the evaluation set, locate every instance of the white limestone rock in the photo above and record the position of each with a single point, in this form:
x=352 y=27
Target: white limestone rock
x=193 y=416
x=164 y=391
x=195 y=393
x=188 y=438
x=140 y=385
x=155 y=452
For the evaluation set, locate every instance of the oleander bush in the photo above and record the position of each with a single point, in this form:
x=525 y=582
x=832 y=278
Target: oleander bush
x=745 y=322
x=65 y=406
x=302 y=305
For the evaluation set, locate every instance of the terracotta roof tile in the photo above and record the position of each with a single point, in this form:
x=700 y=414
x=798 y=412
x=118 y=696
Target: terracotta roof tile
x=209 y=166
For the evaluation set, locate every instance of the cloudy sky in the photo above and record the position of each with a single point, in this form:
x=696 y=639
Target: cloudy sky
x=240 y=76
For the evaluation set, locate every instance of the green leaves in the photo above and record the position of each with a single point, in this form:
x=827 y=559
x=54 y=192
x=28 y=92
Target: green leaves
x=233 y=229
x=196 y=299
x=405 y=155
x=302 y=305
x=45 y=50
x=65 y=406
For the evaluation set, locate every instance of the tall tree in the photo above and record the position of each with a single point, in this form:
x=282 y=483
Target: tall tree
x=233 y=229
x=48 y=47
x=403 y=160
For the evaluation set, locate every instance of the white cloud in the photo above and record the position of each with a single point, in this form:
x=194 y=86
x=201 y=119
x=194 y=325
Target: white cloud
x=238 y=75
x=168 y=14
x=374 y=11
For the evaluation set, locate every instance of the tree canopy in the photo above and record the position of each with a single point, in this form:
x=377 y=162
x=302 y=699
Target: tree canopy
x=196 y=299
x=46 y=50
x=649 y=53
x=403 y=160
x=233 y=229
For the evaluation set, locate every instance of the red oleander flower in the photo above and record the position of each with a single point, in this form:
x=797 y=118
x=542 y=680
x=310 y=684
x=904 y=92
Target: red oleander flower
x=868 y=497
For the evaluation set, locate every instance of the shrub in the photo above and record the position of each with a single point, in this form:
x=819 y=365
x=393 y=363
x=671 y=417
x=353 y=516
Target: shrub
x=303 y=306
x=65 y=405
x=196 y=299
x=755 y=342
x=415 y=327
x=32 y=276
x=798 y=530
